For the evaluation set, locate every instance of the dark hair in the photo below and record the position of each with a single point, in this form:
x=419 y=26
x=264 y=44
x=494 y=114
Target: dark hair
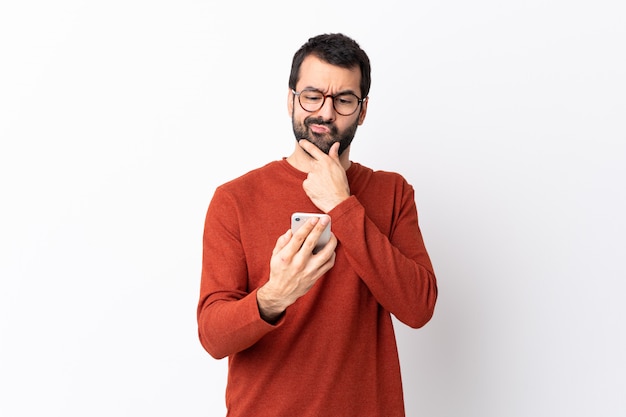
x=336 y=49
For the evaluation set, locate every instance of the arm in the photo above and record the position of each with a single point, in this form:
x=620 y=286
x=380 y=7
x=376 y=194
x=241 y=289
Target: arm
x=395 y=266
x=396 y=269
x=231 y=315
x=228 y=317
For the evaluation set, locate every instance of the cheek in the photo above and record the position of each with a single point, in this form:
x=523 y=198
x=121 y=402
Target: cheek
x=348 y=124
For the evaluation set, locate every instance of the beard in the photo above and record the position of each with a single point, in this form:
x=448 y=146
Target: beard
x=324 y=141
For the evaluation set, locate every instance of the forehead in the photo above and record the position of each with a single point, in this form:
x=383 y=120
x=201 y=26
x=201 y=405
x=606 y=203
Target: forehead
x=315 y=73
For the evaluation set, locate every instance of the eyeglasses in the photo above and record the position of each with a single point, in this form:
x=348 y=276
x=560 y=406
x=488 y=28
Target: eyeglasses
x=344 y=104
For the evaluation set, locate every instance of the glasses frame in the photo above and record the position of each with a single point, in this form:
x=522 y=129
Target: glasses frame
x=359 y=101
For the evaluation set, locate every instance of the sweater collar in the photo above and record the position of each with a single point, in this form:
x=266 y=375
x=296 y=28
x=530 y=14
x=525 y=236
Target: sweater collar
x=350 y=173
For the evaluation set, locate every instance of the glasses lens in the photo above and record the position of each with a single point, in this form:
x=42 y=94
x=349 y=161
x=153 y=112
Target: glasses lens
x=311 y=100
x=346 y=104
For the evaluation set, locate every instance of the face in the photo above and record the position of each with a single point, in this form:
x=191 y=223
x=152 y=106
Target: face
x=325 y=126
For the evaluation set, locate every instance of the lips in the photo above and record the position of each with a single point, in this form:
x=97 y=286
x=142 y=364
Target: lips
x=319 y=129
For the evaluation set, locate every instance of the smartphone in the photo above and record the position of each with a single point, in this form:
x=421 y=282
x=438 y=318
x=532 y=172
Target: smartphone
x=298 y=219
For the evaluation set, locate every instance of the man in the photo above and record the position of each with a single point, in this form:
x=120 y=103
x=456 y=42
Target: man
x=310 y=334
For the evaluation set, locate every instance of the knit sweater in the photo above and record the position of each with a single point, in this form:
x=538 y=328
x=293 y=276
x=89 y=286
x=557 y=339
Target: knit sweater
x=333 y=353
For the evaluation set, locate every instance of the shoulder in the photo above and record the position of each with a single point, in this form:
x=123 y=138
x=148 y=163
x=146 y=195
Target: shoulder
x=259 y=186
x=252 y=178
x=363 y=175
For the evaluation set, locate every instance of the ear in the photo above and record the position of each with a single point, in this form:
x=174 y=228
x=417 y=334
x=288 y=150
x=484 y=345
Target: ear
x=290 y=100
x=363 y=111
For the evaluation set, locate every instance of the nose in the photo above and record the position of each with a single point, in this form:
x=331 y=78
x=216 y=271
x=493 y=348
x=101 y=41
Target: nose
x=327 y=111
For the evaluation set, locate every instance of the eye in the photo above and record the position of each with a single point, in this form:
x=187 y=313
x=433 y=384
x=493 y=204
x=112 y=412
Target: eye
x=311 y=96
x=346 y=99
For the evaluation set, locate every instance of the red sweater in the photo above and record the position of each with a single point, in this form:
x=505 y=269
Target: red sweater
x=333 y=353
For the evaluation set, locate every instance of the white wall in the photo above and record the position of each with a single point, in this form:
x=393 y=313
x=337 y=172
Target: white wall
x=116 y=120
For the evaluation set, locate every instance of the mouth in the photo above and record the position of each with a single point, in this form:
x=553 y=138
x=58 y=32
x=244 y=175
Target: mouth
x=319 y=129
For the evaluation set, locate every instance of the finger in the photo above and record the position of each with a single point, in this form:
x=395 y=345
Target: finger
x=300 y=235
x=311 y=149
x=313 y=237
x=329 y=249
x=327 y=257
x=282 y=241
x=334 y=151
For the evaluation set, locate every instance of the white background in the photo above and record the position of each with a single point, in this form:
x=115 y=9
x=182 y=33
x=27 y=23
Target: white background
x=119 y=118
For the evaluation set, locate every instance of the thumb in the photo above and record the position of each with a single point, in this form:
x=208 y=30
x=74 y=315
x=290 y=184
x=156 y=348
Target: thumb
x=334 y=152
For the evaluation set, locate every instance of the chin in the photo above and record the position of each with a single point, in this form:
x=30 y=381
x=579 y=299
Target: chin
x=322 y=144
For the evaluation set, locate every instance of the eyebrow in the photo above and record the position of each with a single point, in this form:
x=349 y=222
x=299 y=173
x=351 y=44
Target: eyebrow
x=348 y=91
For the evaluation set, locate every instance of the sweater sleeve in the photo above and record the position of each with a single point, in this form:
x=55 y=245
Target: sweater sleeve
x=228 y=317
x=395 y=267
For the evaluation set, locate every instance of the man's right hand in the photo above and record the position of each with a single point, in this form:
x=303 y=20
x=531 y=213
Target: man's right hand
x=294 y=269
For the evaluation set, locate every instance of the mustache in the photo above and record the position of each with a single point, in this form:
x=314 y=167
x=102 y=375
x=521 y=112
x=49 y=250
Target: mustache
x=317 y=121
